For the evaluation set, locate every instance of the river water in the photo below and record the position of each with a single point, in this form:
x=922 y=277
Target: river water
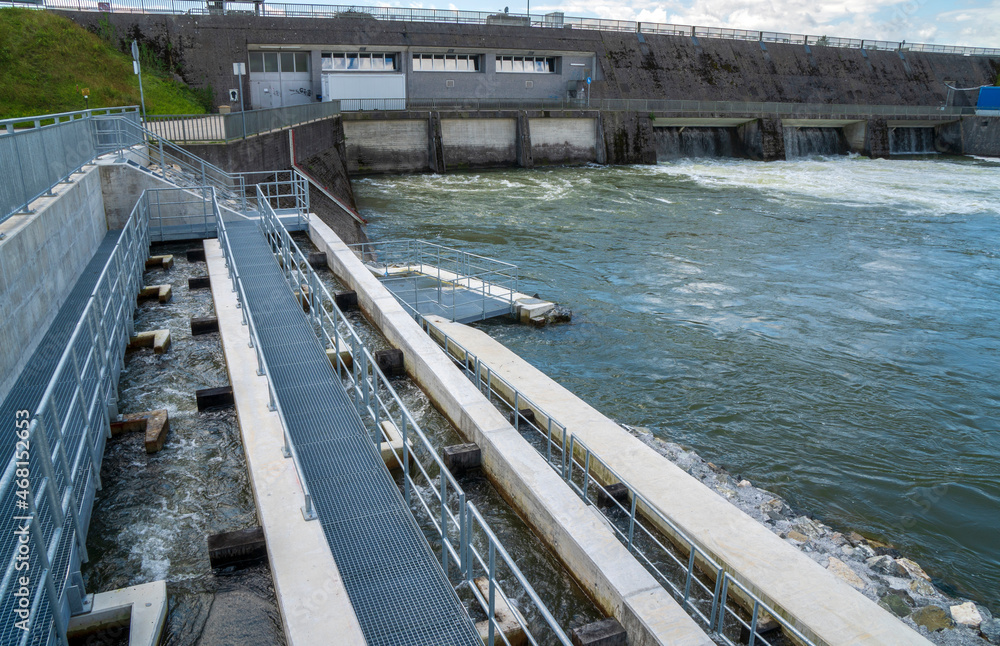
x=828 y=328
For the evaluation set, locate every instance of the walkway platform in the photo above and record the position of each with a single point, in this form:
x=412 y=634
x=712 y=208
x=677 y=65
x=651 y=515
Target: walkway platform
x=823 y=607
x=395 y=583
x=26 y=394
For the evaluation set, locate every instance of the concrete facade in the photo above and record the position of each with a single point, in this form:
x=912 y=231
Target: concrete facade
x=479 y=142
x=41 y=256
x=384 y=146
x=560 y=140
x=203 y=48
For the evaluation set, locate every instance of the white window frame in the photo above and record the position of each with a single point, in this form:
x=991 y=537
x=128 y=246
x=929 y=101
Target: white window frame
x=447 y=63
x=511 y=64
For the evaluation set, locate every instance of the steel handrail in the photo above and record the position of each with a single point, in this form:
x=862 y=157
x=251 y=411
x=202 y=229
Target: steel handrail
x=698 y=557
x=368 y=396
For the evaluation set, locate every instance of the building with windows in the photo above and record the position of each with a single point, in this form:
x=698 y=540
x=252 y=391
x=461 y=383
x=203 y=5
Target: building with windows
x=394 y=77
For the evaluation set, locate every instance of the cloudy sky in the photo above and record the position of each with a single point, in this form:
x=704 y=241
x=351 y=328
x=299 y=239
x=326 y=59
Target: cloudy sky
x=957 y=22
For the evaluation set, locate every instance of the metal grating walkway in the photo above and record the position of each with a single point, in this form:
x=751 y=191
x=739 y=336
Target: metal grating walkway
x=427 y=295
x=26 y=394
x=399 y=592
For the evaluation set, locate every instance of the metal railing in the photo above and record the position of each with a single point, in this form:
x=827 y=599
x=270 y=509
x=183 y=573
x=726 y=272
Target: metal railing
x=467 y=544
x=288 y=190
x=552 y=20
x=679 y=107
x=180 y=213
x=55 y=469
x=715 y=598
x=237 y=125
x=406 y=264
x=37 y=153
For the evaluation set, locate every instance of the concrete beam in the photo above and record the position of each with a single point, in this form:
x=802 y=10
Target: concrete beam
x=155 y=424
x=312 y=600
x=142 y=607
x=818 y=123
x=159 y=340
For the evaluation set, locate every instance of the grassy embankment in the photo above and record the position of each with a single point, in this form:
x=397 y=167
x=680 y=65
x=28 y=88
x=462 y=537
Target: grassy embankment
x=46 y=60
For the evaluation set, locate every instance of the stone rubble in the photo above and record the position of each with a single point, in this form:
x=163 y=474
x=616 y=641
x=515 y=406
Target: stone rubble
x=874 y=568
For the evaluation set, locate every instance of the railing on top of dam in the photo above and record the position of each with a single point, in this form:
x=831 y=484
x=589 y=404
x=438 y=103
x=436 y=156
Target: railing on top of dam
x=552 y=20
x=678 y=106
x=726 y=607
x=36 y=153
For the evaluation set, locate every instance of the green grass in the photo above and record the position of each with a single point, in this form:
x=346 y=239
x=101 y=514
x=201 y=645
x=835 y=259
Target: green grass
x=46 y=59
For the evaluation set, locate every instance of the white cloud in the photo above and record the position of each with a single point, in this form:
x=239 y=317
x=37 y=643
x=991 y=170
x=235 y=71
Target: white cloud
x=891 y=20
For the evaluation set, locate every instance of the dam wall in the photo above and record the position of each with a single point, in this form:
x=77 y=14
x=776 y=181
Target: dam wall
x=411 y=141
x=202 y=48
x=41 y=256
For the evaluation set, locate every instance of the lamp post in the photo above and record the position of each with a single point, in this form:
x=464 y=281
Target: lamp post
x=138 y=72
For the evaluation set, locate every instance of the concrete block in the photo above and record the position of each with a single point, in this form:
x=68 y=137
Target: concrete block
x=197 y=254
x=345 y=357
x=607 y=632
x=143 y=608
x=240 y=548
x=391 y=449
x=302 y=296
x=199 y=282
x=162 y=293
x=205 y=325
x=346 y=301
x=159 y=340
x=613 y=492
x=460 y=458
x=508 y=620
x=211 y=397
x=165 y=262
x=155 y=424
x=317 y=260
x=390 y=362
x=526 y=416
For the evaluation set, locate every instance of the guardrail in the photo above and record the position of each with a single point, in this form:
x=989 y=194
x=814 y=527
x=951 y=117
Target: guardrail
x=288 y=190
x=682 y=107
x=180 y=213
x=405 y=263
x=712 y=596
x=237 y=125
x=465 y=538
x=552 y=20
x=36 y=153
x=48 y=484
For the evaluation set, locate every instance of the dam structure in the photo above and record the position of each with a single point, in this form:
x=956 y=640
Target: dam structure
x=358 y=506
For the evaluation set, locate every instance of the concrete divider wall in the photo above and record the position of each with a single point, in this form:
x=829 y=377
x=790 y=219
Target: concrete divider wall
x=576 y=534
x=41 y=256
x=557 y=140
x=387 y=146
x=479 y=143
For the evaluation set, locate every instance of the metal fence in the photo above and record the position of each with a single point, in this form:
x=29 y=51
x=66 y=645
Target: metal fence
x=468 y=546
x=180 y=213
x=237 y=125
x=723 y=605
x=552 y=20
x=36 y=153
x=431 y=278
x=287 y=190
x=664 y=107
x=55 y=469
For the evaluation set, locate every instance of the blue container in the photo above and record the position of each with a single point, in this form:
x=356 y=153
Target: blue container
x=989 y=98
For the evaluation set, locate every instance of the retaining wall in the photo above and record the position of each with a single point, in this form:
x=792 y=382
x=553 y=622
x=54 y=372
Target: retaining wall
x=41 y=257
